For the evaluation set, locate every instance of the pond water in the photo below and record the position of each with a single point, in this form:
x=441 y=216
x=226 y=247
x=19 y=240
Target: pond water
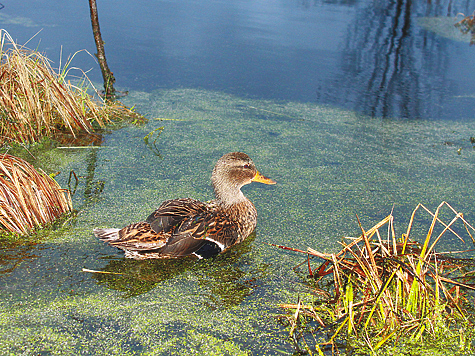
x=382 y=59
x=352 y=107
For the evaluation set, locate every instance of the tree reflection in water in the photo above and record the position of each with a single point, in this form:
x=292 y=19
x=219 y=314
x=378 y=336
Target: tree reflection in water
x=388 y=70
x=13 y=254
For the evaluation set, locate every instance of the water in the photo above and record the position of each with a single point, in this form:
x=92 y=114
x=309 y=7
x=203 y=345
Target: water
x=376 y=58
x=221 y=77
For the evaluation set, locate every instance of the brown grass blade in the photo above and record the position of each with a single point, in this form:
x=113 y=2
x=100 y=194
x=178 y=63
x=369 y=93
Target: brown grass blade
x=389 y=289
x=35 y=102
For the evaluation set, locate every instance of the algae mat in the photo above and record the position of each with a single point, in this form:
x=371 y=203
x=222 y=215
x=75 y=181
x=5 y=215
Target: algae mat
x=329 y=165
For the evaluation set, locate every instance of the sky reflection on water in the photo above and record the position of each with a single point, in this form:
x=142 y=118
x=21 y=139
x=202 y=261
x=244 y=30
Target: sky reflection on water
x=371 y=57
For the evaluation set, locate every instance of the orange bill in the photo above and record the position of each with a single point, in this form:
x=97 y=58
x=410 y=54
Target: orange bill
x=262 y=179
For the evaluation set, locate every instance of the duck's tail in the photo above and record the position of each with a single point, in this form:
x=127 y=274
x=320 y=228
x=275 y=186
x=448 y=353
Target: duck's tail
x=107 y=235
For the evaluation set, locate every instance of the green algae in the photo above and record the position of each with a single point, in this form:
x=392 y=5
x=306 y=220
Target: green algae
x=329 y=164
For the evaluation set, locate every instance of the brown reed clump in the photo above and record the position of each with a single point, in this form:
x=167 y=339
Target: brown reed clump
x=28 y=198
x=466 y=25
x=380 y=291
x=35 y=101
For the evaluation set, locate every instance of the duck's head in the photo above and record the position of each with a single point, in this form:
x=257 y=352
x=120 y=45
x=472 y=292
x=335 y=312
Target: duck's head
x=231 y=172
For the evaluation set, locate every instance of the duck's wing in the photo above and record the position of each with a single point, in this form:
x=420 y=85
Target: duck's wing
x=173 y=213
x=204 y=235
x=171 y=222
x=178 y=228
x=138 y=236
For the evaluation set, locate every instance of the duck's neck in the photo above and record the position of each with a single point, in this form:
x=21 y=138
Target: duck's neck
x=230 y=196
x=238 y=208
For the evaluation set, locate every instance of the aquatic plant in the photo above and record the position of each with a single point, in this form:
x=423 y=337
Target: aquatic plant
x=386 y=291
x=466 y=25
x=36 y=101
x=28 y=198
x=153 y=145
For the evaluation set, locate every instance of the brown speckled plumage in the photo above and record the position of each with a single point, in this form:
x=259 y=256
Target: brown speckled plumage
x=184 y=227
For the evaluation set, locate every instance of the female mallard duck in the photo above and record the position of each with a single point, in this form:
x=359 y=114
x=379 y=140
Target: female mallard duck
x=184 y=227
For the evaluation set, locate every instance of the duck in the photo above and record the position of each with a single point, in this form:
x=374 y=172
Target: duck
x=187 y=227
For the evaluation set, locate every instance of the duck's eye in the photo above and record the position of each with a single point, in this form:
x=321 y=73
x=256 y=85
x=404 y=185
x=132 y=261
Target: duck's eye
x=246 y=166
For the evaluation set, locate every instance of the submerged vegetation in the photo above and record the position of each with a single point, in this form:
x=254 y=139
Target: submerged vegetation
x=382 y=292
x=222 y=306
x=28 y=198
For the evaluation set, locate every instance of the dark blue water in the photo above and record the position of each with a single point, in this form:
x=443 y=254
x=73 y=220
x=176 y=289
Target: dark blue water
x=367 y=56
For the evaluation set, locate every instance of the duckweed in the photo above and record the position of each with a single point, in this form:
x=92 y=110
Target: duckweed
x=329 y=164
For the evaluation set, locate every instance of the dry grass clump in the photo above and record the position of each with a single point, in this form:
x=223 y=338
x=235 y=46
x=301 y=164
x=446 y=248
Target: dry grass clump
x=380 y=291
x=466 y=25
x=28 y=198
x=35 y=101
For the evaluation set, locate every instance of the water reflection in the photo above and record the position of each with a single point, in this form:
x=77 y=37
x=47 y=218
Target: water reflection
x=227 y=279
x=135 y=277
x=14 y=254
x=467 y=25
x=392 y=68
x=362 y=55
